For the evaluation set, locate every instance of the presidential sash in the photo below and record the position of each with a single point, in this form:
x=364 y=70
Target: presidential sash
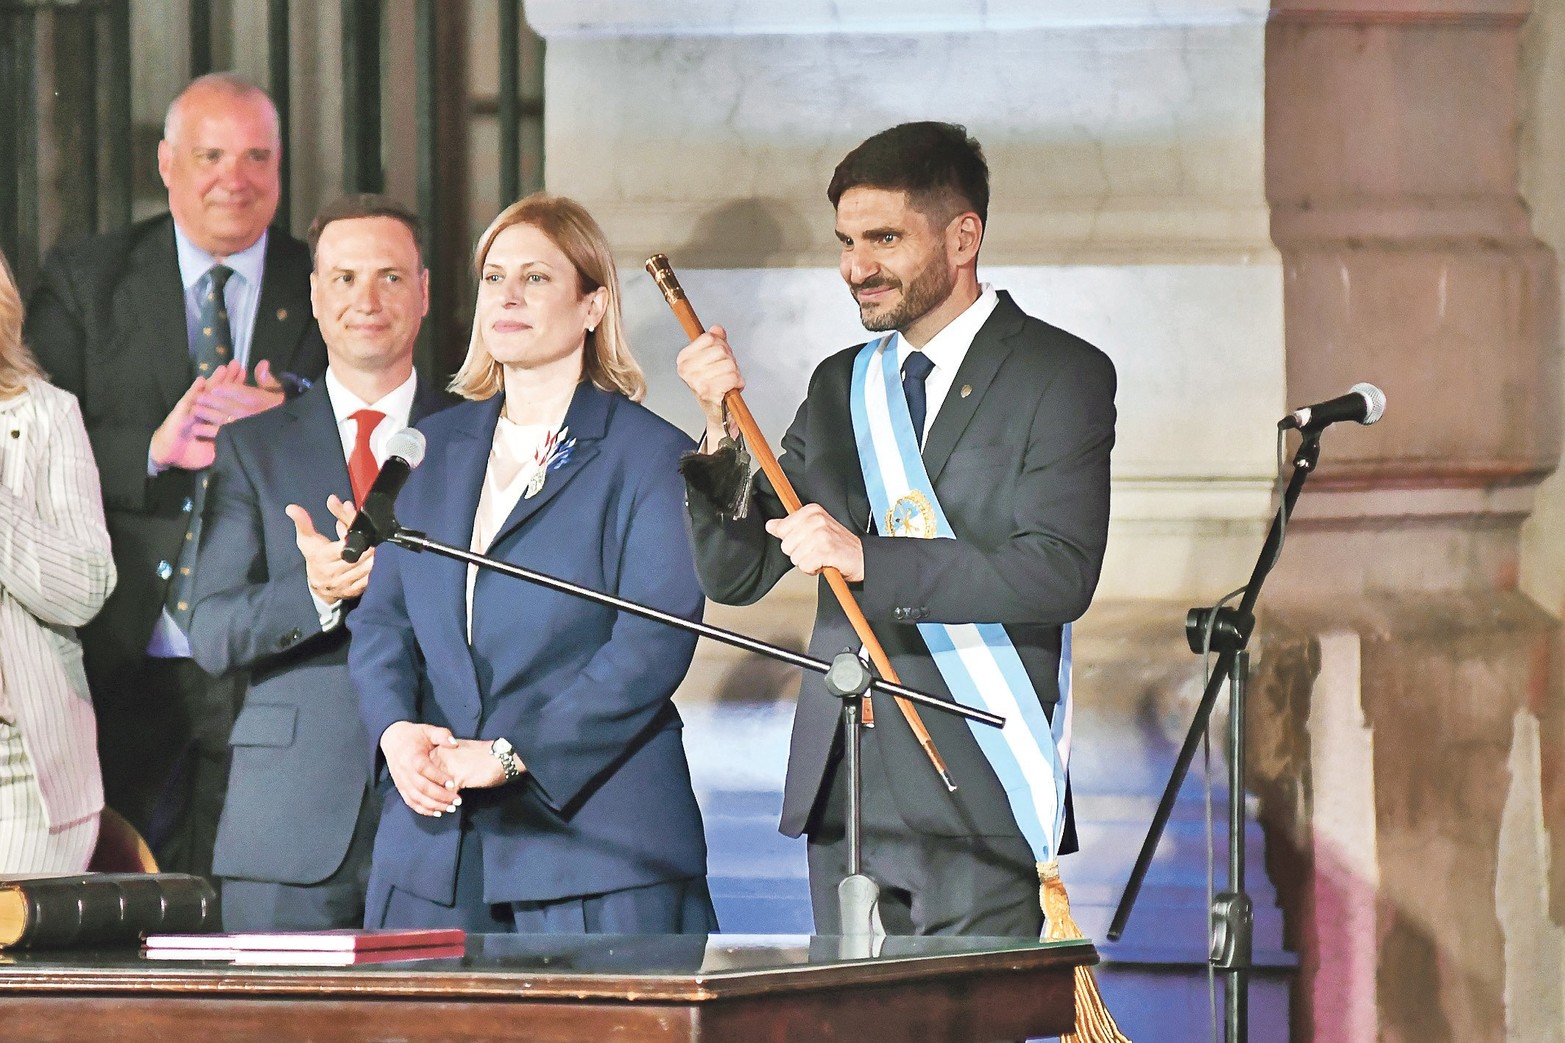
x=977 y=660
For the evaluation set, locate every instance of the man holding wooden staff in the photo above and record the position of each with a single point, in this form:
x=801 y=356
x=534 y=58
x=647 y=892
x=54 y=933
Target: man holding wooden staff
x=955 y=471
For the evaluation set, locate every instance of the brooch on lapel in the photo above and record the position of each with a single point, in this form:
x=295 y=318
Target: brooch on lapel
x=551 y=455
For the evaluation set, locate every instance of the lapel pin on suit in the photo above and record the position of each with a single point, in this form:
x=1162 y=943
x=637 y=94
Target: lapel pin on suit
x=282 y=314
x=967 y=389
x=553 y=454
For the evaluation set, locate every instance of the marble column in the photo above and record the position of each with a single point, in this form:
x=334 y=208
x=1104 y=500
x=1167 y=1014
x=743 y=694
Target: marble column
x=1410 y=261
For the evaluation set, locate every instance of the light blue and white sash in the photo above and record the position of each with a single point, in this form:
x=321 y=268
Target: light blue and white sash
x=977 y=660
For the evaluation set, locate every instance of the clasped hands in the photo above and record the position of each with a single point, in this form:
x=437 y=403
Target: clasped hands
x=186 y=436
x=431 y=767
x=812 y=539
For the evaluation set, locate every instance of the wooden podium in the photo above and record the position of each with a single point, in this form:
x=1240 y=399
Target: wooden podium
x=553 y=989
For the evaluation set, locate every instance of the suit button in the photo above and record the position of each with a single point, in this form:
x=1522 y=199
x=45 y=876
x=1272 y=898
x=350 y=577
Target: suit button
x=899 y=613
x=164 y=570
x=918 y=613
x=189 y=505
x=289 y=638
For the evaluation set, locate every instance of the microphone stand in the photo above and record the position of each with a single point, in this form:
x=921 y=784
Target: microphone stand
x=847 y=677
x=858 y=896
x=1230 y=628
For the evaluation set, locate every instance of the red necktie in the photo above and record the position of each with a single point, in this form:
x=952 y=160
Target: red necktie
x=362 y=467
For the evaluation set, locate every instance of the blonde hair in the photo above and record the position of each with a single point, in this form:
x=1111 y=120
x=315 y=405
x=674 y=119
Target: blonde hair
x=607 y=361
x=16 y=362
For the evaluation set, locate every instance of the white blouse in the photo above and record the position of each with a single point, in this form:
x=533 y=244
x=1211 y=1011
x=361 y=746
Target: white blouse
x=515 y=459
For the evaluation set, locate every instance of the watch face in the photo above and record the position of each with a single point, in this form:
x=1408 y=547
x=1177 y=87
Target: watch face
x=500 y=746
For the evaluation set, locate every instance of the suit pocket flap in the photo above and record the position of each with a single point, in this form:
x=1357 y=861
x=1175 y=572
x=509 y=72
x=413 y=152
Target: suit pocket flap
x=264 y=724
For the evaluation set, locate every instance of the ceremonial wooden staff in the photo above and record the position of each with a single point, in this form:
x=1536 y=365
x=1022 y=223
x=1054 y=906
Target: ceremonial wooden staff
x=663 y=274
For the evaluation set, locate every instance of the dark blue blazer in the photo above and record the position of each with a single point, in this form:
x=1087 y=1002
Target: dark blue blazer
x=582 y=691
x=300 y=757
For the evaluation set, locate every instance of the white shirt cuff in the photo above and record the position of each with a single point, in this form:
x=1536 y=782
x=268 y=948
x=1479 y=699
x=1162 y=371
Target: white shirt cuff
x=329 y=611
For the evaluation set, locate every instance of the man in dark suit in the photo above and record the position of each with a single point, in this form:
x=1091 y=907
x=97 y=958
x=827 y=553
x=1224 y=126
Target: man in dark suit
x=1013 y=421
x=274 y=597
x=165 y=331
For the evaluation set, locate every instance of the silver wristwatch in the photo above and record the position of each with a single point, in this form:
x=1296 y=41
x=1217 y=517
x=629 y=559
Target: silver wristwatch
x=506 y=755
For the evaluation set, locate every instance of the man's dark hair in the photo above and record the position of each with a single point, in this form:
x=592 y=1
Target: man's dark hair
x=364 y=204
x=938 y=165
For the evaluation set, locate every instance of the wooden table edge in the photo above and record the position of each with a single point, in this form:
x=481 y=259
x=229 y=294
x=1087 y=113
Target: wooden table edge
x=344 y=983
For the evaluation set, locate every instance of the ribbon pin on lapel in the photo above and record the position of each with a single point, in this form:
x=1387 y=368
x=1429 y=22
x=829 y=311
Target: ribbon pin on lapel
x=551 y=455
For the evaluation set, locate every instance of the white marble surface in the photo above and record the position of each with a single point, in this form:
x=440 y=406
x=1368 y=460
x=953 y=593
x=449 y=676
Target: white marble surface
x=1106 y=145
x=1200 y=377
x=572 y=17
x=1542 y=149
x=1347 y=870
x=1534 y=942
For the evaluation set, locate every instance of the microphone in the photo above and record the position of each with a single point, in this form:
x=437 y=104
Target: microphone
x=1363 y=404
x=376 y=520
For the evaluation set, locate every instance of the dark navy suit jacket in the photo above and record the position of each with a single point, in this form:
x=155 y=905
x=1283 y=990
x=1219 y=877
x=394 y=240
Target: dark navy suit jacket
x=1019 y=456
x=581 y=691
x=301 y=760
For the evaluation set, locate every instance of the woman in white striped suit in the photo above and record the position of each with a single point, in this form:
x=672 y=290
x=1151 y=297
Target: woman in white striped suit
x=55 y=574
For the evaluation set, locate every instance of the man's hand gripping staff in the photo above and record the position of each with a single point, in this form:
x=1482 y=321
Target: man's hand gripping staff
x=755 y=442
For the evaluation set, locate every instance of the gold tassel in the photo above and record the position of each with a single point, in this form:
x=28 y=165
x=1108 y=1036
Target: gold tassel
x=1094 y=1023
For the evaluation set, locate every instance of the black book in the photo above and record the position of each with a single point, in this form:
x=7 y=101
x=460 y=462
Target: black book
x=102 y=909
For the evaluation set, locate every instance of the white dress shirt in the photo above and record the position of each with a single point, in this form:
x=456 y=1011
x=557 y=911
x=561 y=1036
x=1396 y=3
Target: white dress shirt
x=514 y=459
x=397 y=404
x=946 y=350
x=241 y=299
x=241 y=294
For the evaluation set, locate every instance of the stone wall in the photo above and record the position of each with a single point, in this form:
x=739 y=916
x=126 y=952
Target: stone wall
x=1411 y=261
x=1246 y=205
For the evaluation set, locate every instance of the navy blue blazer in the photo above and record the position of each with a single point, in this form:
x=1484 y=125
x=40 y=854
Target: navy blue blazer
x=300 y=756
x=581 y=691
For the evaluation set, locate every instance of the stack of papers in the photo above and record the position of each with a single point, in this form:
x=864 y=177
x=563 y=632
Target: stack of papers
x=339 y=948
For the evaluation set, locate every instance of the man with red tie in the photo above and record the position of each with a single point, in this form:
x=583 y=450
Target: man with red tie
x=274 y=595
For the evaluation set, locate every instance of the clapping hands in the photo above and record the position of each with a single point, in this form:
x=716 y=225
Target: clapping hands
x=185 y=438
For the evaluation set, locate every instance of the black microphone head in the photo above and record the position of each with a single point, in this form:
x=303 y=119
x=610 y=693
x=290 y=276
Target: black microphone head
x=408 y=443
x=1374 y=402
x=1363 y=404
x=375 y=521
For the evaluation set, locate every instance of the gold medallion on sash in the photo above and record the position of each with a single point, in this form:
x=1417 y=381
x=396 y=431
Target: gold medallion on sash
x=912 y=515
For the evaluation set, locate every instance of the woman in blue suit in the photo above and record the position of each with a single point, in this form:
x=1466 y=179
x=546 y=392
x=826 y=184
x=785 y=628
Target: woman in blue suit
x=540 y=781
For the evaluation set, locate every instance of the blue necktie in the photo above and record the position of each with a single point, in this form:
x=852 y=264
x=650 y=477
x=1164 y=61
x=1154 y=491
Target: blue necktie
x=212 y=347
x=915 y=370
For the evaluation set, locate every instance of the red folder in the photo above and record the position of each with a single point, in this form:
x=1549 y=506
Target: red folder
x=308 y=957
x=336 y=941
